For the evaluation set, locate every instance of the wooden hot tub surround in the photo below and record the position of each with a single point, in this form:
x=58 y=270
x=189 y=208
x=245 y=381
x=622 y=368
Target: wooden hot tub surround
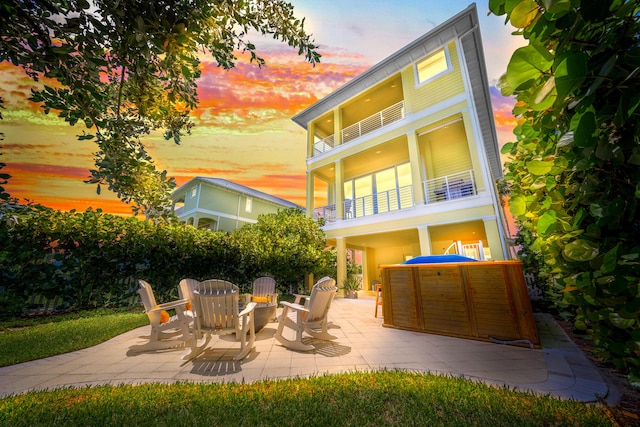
x=478 y=300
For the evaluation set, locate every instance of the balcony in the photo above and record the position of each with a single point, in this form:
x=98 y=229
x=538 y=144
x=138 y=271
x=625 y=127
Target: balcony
x=374 y=122
x=372 y=204
x=450 y=187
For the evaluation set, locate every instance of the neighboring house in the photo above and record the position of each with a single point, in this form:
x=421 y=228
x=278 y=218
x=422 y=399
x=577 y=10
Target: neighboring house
x=402 y=160
x=221 y=205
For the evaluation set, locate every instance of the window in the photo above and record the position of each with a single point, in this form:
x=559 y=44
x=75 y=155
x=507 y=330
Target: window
x=383 y=191
x=433 y=65
x=194 y=191
x=248 y=205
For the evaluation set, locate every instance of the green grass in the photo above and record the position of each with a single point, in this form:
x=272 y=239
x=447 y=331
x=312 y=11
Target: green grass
x=30 y=339
x=354 y=399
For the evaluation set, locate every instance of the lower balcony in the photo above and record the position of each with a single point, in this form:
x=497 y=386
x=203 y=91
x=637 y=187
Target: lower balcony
x=450 y=187
x=372 y=204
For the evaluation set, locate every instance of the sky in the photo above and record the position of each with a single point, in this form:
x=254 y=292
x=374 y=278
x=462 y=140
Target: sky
x=243 y=131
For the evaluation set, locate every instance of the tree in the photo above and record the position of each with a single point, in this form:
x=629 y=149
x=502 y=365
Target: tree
x=129 y=67
x=286 y=245
x=575 y=164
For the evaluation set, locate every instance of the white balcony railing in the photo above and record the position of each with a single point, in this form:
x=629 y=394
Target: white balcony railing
x=449 y=187
x=376 y=121
x=372 y=204
x=327 y=212
x=323 y=145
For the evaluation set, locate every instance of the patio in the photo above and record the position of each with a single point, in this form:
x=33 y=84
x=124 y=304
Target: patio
x=558 y=368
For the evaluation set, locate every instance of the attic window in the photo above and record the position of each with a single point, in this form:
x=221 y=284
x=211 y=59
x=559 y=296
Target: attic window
x=433 y=65
x=248 y=205
x=193 y=192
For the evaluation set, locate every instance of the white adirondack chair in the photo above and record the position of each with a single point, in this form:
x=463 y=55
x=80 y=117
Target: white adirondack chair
x=264 y=291
x=163 y=326
x=310 y=317
x=215 y=305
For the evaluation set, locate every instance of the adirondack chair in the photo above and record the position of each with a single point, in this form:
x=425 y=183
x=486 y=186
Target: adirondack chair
x=264 y=294
x=264 y=291
x=215 y=305
x=310 y=317
x=185 y=291
x=164 y=326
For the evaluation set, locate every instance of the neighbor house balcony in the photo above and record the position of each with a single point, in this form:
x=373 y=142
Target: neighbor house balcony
x=372 y=204
x=450 y=187
x=374 y=122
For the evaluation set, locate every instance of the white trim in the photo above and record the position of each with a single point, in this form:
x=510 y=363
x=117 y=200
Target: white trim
x=489 y=182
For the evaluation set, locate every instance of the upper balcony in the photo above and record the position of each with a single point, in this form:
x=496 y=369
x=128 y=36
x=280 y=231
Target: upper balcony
x=372 y=110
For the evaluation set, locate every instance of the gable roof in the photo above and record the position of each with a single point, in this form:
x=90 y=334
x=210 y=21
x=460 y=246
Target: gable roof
x=237 y=188
x=464 y=26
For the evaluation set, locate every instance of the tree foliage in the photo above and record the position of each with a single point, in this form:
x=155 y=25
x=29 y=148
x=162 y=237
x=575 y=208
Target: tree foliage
x=129 y=67
x=92 y=259
x=575 y=164
x=286 y=245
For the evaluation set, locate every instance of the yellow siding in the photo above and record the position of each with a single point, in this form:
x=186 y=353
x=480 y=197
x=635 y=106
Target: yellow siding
x=437 y=90
x=446 y=150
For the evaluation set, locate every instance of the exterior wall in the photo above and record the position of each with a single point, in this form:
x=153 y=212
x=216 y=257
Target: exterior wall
x=422 y=97
x=440 y=135
x=220 y=209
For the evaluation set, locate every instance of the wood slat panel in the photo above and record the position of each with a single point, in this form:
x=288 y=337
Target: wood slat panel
x=403 y=297
x=480 y=300
x=444 y=305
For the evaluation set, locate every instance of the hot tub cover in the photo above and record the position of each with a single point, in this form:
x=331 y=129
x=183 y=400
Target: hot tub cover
x=437 y=259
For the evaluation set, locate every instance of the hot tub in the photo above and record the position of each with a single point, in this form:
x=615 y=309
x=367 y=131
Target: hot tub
x=484 y=300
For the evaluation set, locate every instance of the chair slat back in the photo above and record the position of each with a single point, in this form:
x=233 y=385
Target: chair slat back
x=264 y=286
x=146 y=295
x=216 y=304
x=186 y=287
x=320 y=300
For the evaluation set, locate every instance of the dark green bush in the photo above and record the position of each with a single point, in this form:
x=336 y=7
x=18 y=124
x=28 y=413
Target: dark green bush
x=92 y=259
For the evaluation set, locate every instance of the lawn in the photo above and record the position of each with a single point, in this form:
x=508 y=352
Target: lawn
x=352 y=399
x=22 y=340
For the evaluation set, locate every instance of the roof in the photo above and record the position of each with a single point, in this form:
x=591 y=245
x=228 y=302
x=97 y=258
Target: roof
x=232 y=186
x=464 y=26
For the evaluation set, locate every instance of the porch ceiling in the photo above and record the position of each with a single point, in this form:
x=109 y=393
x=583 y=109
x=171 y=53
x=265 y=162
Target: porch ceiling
x=380 y=240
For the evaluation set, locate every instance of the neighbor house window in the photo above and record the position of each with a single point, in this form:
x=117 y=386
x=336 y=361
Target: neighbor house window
x=248 y=205
x=194 y=191
x=433 y=65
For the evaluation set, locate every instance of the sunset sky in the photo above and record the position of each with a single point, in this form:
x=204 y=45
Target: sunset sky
x=244 y=131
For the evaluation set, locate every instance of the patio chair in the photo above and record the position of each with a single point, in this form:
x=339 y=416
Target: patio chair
x=164 y=326
x=310 y=317
x=264 y=294
x=215 y=305
x=264 y=291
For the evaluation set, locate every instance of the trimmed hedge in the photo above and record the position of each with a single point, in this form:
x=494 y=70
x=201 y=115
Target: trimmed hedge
x=91 y=259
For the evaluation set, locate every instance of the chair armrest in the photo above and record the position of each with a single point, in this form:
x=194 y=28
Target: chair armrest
x=248 y=309
x=294 y=306
x=299 y=297
x=170 y=305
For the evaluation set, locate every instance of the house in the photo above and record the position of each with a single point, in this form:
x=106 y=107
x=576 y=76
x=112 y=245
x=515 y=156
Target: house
x=402 y=160
x=221 y=205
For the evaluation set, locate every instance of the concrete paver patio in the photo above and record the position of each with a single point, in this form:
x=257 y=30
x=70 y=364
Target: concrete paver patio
x=559 y=368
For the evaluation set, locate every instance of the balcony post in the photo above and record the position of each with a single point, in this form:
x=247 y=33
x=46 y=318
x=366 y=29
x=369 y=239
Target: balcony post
x=337 y=127
x=416 y=176
x=341 y=258
x=311 y=136
x=310 y=193
x=498 y=250
x=425 y=240
x=339 y=189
